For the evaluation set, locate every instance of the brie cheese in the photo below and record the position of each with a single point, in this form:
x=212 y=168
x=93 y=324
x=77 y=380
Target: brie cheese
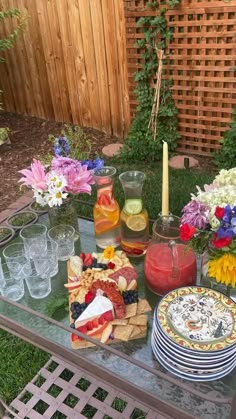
x=95 y=309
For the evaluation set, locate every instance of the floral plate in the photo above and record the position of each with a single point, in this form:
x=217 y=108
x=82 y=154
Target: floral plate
x=194 y=359
x=198 y=318
x=183 y=364
x=191 y=353
x=191 y=376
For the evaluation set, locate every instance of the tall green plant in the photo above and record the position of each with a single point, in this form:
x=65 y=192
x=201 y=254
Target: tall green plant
x=225 y=158
x=140 y=144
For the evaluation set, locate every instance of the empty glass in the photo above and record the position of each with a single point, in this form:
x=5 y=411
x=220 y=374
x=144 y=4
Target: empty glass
x=64 y=236
x=16 y=259
x=42 y=262
x=35 y=240
x=12 y=286
x=39 y=282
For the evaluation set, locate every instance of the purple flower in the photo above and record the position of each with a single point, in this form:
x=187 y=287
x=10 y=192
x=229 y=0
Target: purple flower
x=61 y=147
x=195 y=214
x=93 y=164
x=228 y=223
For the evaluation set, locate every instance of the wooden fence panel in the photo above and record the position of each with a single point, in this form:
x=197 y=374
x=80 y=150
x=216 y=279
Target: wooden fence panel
x=201 y=60
x=69 y=64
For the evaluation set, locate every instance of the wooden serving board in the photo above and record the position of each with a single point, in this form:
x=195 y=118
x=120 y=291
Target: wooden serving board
x=132 y=326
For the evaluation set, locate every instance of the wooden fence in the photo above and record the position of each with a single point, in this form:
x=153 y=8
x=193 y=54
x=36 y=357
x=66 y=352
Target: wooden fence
x=201 y=59
x=69 y=65
x=77 y=59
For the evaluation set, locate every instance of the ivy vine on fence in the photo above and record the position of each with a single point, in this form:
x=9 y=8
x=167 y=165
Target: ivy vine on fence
x=142 y=143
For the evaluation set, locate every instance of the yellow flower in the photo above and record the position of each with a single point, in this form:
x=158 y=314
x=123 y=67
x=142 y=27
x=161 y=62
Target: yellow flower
x=109 y=252
x=223 y=269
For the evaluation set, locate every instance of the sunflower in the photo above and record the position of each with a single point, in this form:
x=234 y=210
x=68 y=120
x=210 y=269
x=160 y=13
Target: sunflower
x=223 y=269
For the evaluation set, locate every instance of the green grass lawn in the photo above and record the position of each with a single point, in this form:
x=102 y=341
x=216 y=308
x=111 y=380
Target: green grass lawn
x=21 y=361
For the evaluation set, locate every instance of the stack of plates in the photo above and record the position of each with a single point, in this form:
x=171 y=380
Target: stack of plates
x=194 y=333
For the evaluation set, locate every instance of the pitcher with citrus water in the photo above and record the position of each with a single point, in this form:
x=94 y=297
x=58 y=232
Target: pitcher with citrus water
x=134 y=217
x=106 y=210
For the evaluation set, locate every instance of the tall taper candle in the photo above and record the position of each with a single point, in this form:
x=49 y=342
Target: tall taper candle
x=165 y=181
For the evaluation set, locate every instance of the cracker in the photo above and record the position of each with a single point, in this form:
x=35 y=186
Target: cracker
x=123 y=332
x=143 y=307
x=140 y=320
x=119 y=322
x=131 y=310
x=136 y=332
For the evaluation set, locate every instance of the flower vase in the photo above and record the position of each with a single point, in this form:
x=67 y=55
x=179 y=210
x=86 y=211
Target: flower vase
x=211 y=282
x=64 y=214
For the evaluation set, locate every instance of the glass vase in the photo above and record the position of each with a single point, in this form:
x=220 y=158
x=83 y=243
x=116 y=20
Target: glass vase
x=64 y=214
x=106 y=211
x=211 y=282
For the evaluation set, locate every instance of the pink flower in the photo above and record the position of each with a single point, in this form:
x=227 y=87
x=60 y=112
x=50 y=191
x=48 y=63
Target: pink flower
x=64 y=164
x=35 y=177
x=78 y=180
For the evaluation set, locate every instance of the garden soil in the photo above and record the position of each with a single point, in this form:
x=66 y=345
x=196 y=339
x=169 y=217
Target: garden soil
x=29 y=139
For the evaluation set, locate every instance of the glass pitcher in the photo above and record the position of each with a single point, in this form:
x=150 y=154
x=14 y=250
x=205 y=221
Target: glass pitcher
x=134 y=217
x=169 y=263
x=106 y=211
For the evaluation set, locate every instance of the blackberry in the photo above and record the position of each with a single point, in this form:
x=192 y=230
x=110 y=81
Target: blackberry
x=130 y=296
x=72 y=325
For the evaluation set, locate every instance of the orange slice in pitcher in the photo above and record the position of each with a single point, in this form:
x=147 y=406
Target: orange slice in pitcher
x=136 y=222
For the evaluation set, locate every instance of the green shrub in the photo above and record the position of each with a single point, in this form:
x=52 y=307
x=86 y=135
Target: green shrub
x=225 y=157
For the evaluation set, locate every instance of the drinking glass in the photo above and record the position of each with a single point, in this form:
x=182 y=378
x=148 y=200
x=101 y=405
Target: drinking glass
x=50 y=260
x=39 y=282
x=16 y=259
x=12 y=286
x=64 y=236
x=35 y=240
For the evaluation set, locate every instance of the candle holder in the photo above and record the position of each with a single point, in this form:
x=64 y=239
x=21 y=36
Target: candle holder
x=169 y=263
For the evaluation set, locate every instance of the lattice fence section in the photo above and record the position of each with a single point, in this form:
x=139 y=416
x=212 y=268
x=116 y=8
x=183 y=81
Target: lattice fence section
x=201 y=61
x=60 y=391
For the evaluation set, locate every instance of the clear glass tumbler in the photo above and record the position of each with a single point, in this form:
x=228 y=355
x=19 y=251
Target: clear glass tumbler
x=16 y=259
x=50 y=260
x=35 y=240
x=64 y=236
x=12 y=286
x=39 y=282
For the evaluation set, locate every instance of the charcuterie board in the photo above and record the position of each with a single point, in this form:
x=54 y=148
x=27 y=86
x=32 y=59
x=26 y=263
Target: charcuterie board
x=103 y=298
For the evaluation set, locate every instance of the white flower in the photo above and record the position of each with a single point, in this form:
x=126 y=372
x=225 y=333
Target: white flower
x=56 y=182
x=55 y=198
x=40 y=197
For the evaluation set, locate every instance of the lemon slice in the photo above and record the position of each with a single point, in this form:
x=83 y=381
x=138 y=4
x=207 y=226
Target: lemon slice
x=133 y=206
x=136 y=222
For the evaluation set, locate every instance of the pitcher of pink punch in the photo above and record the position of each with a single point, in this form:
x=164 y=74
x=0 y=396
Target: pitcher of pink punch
x=169 y=263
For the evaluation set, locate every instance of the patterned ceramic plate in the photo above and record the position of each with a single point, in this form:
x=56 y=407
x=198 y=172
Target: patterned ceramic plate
x=193 y=359
x=185 y=365
x=190 y=376
x=190 y=353
x=198 y=318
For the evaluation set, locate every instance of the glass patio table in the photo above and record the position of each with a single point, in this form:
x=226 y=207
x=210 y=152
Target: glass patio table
x=129 y=366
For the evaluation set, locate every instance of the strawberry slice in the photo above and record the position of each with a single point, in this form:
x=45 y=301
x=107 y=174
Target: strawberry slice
x=82 y=329
x=104 y=200
x=74 y=338
x=95 y=323
x=89 y=325
x=101 y=319
x=108 y=316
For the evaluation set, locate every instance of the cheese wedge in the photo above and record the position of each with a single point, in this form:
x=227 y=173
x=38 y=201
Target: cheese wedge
x=94 y=310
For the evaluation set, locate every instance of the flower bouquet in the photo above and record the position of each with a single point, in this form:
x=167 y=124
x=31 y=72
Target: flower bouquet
x=208 y=224
x=54 y=186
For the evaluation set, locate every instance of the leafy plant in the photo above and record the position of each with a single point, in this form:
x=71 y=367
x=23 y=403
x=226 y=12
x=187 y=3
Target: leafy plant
x=4 y=135
x=140 y=143
x=226 y=156
x=80 y=145
x=9 y=41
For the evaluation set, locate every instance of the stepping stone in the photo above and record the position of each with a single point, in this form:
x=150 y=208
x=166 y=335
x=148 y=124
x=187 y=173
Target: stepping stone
x=177 y=162
x=112 y=149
